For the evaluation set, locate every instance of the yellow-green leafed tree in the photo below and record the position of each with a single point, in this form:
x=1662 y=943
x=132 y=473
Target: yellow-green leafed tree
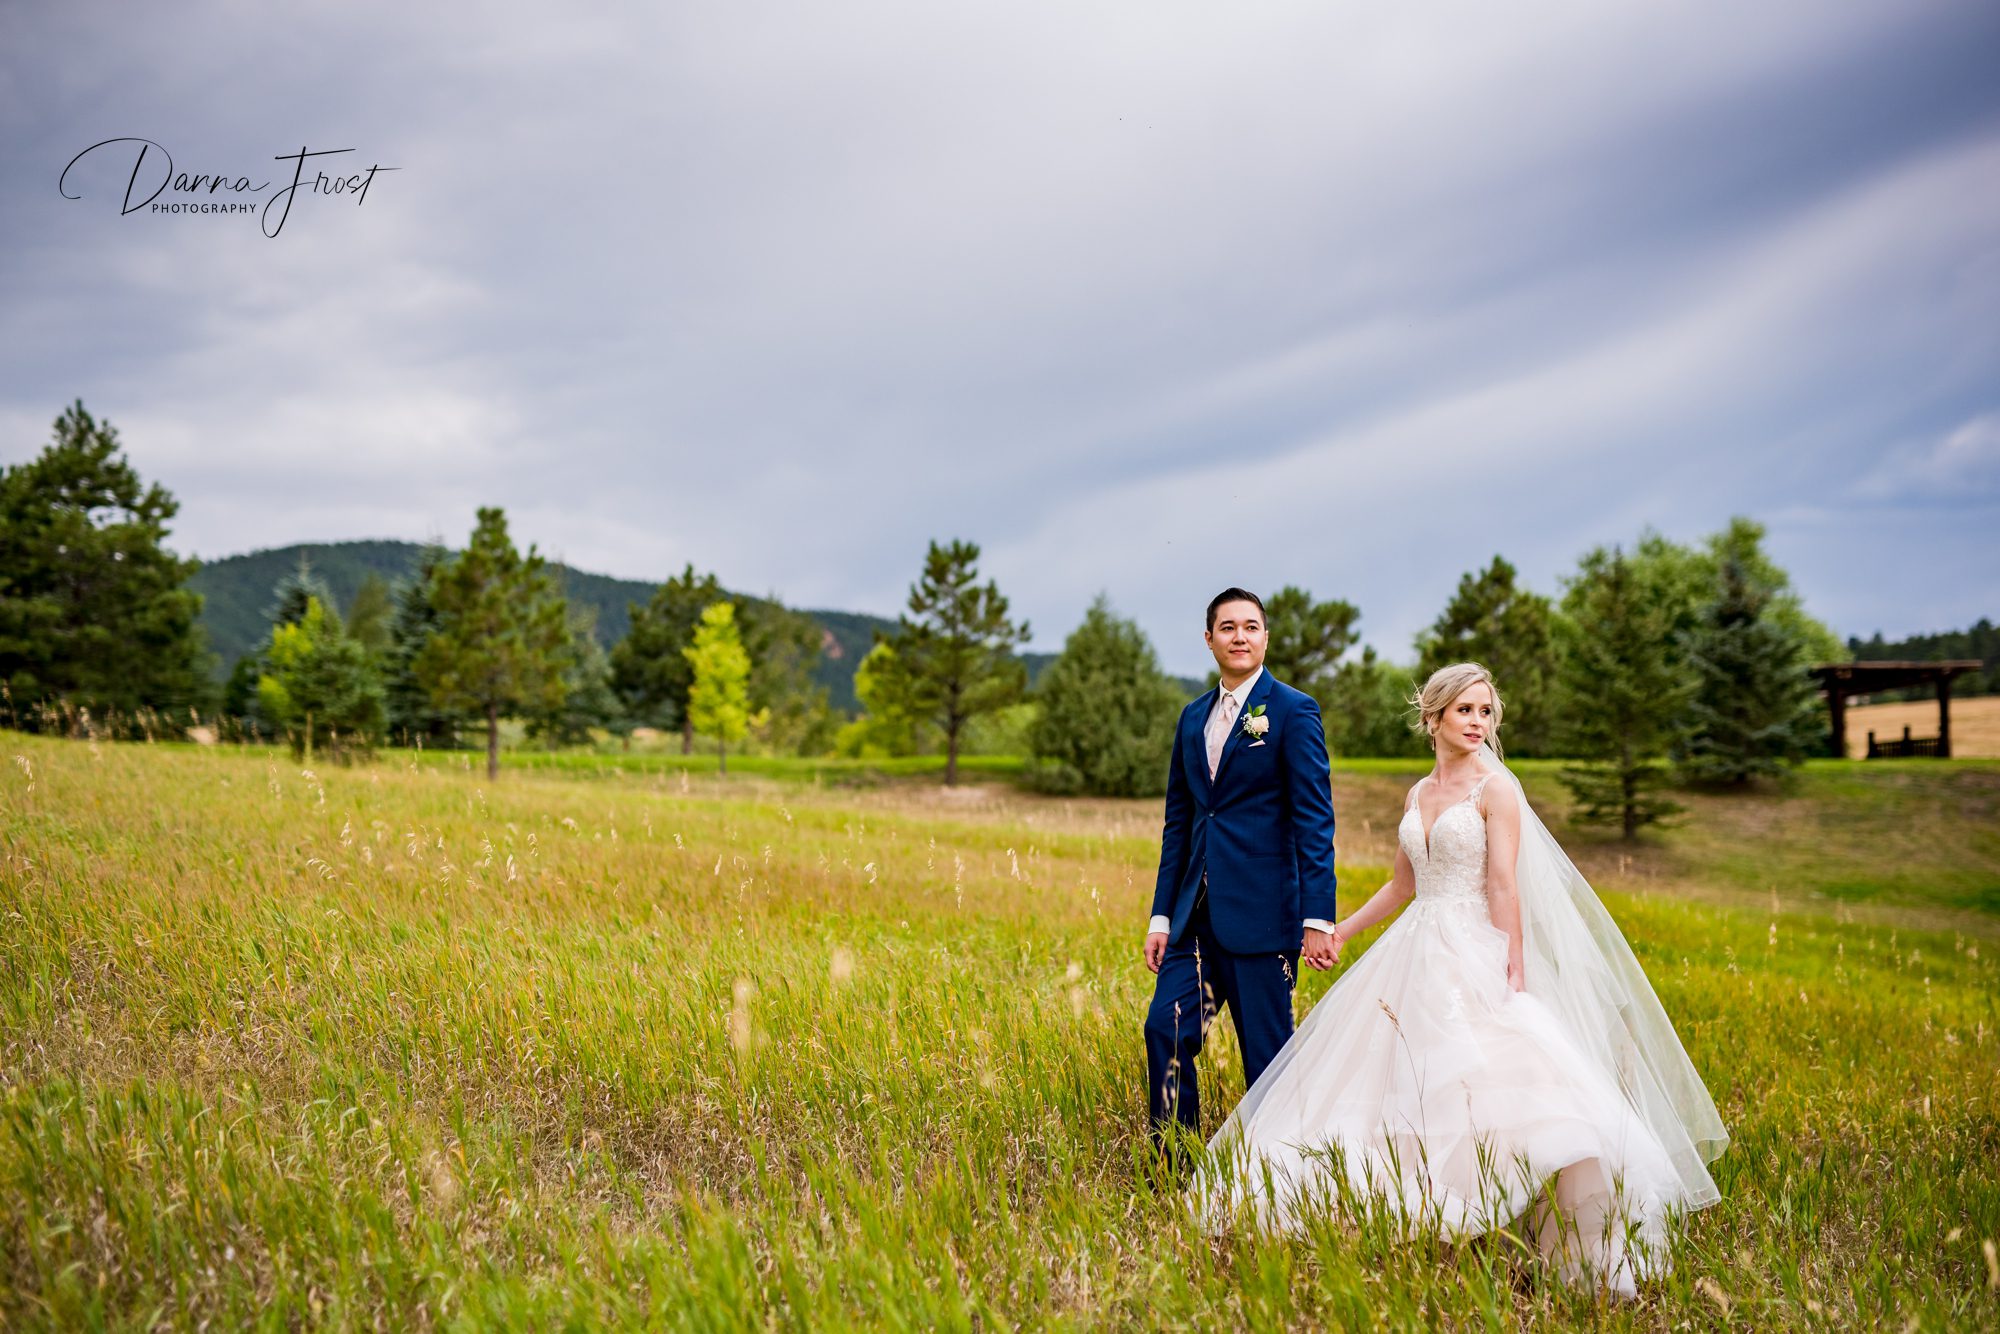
x=320 y=684
x=719 y=698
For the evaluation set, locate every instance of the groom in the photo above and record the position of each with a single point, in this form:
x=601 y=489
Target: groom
x=1246 y=866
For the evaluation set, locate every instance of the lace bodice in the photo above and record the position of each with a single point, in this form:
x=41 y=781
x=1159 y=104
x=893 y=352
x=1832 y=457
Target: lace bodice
x=1452 y=869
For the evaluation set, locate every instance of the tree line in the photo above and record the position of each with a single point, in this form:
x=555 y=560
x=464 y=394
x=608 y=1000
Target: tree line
x=1981 y=641
x=1651 y=664
x=486 y=634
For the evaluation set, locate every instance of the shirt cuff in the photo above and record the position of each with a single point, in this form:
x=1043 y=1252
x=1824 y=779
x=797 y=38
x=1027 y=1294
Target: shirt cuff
x=1159 y=926
x=1319 y=924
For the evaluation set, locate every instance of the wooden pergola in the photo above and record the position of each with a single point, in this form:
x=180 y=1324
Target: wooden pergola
x=1842 y=680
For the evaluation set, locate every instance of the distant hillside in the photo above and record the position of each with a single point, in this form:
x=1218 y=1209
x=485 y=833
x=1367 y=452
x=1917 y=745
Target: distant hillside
x=236 y=591
x=237 y=597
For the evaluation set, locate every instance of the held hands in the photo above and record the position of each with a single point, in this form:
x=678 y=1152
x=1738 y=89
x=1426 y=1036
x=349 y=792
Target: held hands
x=1322 y=949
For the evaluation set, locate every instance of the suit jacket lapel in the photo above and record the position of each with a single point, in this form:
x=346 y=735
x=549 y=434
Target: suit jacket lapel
x=1258 y=693
x=1195 y=739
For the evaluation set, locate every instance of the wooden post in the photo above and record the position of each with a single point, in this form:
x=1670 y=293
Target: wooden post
x=1944 y=715
x=1836 y=702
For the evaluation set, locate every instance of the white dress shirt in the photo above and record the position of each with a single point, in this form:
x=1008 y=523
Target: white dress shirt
x=1242 y=696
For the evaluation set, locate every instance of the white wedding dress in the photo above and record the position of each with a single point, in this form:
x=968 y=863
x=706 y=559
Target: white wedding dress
x=1423 y=1082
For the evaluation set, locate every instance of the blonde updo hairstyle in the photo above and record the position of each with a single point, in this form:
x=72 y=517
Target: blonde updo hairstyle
x=1447 y=684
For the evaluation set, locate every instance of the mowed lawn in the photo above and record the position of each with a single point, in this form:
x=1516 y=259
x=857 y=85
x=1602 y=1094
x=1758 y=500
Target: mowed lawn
x=393 y=1047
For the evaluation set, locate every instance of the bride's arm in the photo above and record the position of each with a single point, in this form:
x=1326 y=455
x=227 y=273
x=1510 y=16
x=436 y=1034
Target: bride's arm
x=1503 y=846
x=1383 y=902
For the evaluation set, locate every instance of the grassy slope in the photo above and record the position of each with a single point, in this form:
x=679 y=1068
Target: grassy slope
x=391 y=1045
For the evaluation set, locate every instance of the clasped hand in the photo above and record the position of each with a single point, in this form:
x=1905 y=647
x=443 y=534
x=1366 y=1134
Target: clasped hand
x=1322 y=949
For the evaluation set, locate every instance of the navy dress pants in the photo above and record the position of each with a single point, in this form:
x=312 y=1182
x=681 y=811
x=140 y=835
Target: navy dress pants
x=1197 y=978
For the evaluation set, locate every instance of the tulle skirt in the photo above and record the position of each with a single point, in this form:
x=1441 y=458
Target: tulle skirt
x=1422 y=1083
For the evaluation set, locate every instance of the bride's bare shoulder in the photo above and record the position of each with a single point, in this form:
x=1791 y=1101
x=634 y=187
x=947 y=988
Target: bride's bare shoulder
x=1499 y=799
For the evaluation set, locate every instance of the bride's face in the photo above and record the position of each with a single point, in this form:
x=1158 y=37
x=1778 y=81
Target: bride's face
x=1467 y=721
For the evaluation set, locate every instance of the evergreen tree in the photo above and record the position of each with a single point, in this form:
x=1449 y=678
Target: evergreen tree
x=719 y=698
x=1743 y=542
x=1494 y=621
x=1623 y=692
x=649 y=666
x=414 y=719
x=320 y=687
x=1368 y=713
x=369 y=614
x=588 y=701
x=94 y=612
x=1106 y=724
x=1753 y=710
x=1307 y=640
x=293 y=592
x=502 y=632
x=784 y=647
x=955 y=646
x=239 y=695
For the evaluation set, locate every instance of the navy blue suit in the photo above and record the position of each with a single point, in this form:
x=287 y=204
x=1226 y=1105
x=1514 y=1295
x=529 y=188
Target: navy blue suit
x=1244 y=859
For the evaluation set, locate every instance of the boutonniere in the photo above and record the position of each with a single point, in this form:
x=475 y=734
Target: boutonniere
x=1255 y=724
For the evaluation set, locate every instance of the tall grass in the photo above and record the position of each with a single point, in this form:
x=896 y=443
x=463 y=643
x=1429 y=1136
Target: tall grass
x=390 y=1047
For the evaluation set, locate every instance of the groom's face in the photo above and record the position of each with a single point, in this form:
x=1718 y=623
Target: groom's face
x=1238 y=639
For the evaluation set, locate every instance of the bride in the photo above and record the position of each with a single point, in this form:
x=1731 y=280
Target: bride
x=1496 y=1059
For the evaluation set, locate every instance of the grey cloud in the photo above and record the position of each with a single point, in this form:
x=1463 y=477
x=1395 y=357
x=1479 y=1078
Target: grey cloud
x=1142 y=297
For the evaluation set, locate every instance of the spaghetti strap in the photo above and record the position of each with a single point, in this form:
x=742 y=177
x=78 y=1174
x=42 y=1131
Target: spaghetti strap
x=1412 y=800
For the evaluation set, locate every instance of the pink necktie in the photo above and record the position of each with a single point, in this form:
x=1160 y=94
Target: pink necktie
x=1219 y=736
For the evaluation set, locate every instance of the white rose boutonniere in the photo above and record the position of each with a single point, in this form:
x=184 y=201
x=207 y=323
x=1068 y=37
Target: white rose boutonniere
x=1255 y=724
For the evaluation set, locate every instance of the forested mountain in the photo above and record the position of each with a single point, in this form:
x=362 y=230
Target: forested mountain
x=236 y=602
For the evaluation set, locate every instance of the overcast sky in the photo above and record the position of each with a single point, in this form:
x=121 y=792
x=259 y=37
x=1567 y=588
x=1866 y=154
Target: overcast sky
x=1144 y=298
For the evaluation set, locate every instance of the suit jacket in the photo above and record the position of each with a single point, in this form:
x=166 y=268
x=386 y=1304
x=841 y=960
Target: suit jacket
x=1261 y=830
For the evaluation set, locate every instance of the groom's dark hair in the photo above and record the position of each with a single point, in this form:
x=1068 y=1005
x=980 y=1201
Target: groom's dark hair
x=1232 y=595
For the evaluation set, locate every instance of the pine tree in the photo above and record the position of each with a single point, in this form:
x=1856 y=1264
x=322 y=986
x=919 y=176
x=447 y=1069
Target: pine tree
x=784 y=647
x=649 y=666
x=414 y=719
x=502 y=632
x=1743 y=542
x=955 y=646
x=94 y=611
x=719 y=699
x=1307 y=640
x=293 y=592
x=319 y=686
x=1754 y=710
x=368 y=615
x=239 y=695
x=1493 y=620
x=1368 y=711
x=1623 y=692
x=588 y=701
x=1106 y=723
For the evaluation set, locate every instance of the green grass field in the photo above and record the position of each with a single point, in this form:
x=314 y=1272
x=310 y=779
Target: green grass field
x=601 y=1045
